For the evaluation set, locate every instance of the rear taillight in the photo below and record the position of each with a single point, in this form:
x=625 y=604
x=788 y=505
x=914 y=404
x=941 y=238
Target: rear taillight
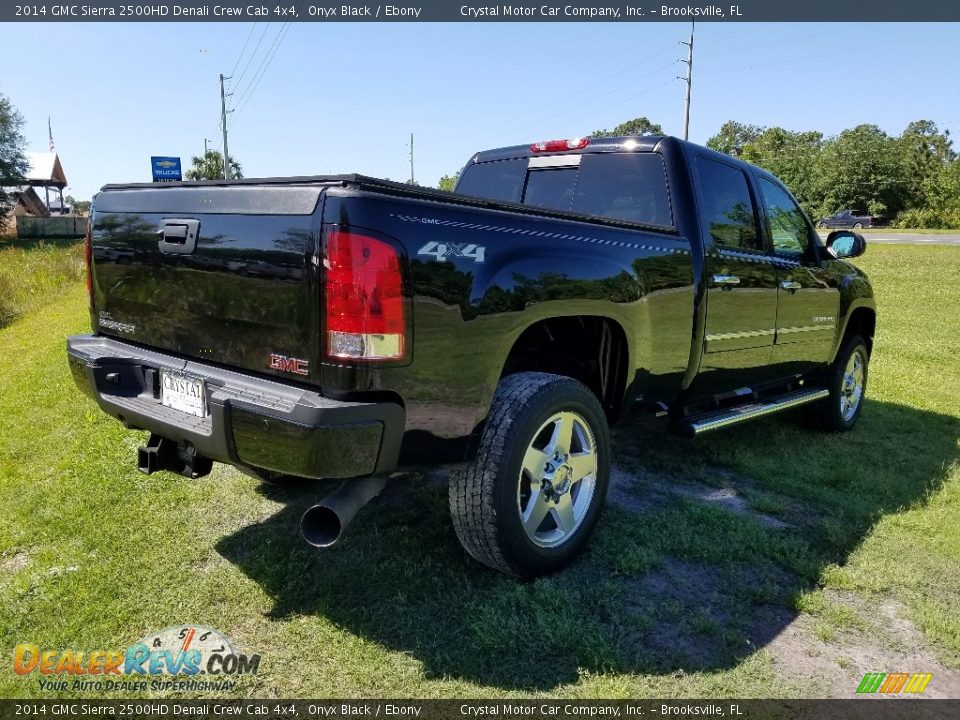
x=364 y=298
x=88 y=259
x=557 y=145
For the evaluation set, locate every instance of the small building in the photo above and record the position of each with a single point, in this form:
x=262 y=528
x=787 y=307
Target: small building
x=46 y=172
x=39 y=217
x=24 y=202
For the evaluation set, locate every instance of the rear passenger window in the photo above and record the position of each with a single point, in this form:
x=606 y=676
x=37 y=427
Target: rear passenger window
x=551 y=188
x=624 y=186
x=727 y=210
x=498 y=180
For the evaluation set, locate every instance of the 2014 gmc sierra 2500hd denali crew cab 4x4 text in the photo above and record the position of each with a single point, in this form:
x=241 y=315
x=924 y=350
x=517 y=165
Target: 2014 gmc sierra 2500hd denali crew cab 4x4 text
x=340 y=327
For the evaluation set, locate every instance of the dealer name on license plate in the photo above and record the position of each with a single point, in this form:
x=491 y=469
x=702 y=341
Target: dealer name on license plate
x=183 y=393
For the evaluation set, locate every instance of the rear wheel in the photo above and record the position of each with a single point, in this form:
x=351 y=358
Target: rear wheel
x=847 y=383
x=858 y=226
x=528 y=503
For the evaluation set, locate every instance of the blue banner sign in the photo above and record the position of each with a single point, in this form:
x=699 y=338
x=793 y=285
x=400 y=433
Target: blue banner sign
x=166 y=169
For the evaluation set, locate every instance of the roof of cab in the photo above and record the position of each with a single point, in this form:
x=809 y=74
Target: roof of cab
x=642 y=143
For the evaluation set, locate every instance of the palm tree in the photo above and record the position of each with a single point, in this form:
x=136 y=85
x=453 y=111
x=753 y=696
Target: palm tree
x=209 y=166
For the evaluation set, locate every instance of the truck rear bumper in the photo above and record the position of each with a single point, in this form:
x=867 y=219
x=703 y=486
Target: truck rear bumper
x=250 y=421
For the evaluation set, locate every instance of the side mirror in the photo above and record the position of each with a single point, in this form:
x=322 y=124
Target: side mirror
x=846 y=244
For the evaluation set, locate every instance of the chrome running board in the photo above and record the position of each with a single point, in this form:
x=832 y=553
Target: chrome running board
x=699 y=424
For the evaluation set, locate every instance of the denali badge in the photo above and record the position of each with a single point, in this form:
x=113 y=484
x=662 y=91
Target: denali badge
x=289 y=364
x=105 y=321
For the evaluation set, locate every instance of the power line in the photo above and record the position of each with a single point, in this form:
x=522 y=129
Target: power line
x=566 y=96
x=820 y=55
x=243 y=49
x=778 y=43
x=609 y=92
x=266 y=27
x=264 y=65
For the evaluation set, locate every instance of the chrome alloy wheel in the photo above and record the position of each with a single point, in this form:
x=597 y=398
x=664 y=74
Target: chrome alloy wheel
x=557 y=479
x=851 y=389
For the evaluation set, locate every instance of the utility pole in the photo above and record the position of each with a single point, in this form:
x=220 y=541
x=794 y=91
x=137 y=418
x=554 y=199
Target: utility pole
x=206 y=149
x=223 y=121
x=689 y=80
x=412 y=181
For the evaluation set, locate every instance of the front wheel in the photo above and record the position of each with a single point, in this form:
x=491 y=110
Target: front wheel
x=858 y=226
x=528 y=503
x=847 y=383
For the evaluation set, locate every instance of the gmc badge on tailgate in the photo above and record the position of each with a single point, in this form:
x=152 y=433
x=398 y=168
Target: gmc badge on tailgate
x=289 y=364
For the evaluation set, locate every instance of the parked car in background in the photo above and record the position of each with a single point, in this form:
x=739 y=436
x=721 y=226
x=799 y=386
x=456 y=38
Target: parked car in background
x=847 y=218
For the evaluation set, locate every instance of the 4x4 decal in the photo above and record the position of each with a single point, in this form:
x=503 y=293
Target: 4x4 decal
x=443 y=251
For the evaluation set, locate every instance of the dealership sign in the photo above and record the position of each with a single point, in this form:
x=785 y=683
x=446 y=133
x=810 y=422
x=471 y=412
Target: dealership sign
x=165 y=169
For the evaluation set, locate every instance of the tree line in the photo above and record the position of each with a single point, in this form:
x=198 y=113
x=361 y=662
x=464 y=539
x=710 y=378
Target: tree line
x=911 y=180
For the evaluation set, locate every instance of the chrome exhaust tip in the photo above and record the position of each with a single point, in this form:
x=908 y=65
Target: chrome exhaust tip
x=323 y=524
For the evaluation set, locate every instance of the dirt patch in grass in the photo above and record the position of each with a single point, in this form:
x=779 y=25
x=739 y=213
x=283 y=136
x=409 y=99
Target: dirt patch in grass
x=14 y=562
x=836 y=666
x=699 y=615
x=694 y=616
x=638 y=490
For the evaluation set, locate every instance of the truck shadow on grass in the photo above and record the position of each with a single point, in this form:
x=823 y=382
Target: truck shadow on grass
x=677 y=575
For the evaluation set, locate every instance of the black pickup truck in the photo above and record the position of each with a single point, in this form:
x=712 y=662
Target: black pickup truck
x=343 y=326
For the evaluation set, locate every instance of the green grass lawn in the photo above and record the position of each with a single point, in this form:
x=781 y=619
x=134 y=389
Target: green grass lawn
x=32 y=275
x=679 y=595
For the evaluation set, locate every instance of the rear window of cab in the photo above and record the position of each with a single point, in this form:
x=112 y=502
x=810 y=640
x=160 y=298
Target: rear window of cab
x=620 y=186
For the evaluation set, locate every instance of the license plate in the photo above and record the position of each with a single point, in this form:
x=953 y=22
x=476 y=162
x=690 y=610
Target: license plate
x=183 y=393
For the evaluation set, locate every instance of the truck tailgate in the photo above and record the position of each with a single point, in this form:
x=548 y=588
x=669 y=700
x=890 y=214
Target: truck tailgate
x=223 y=273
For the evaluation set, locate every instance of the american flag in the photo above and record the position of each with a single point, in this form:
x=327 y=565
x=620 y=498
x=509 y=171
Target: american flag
x=50 y=130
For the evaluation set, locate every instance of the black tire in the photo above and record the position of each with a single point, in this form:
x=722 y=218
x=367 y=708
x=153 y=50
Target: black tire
x=487 y=497
x=832 y=414
x=821 y=224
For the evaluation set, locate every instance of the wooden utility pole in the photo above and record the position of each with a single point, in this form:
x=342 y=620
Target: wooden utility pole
x=223 y=121
x=412 y=181
x=689 y=80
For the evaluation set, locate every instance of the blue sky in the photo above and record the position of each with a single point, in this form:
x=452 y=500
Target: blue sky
x=344 y=97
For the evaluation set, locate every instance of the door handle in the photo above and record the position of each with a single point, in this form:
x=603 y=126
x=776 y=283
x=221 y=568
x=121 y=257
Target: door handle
x=790 y=285
x=726 y=281
x=178 y=236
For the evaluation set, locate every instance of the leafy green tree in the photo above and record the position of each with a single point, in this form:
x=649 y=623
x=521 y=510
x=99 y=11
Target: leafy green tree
x=13 y=160
x=637 y=126
x=861 y=170
x=941 y=204
x=733 y=136
x=78 y=207
x=449 y=182
x=794 y=157
x=945 y=191
x=925 y=153
x=209 y=166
